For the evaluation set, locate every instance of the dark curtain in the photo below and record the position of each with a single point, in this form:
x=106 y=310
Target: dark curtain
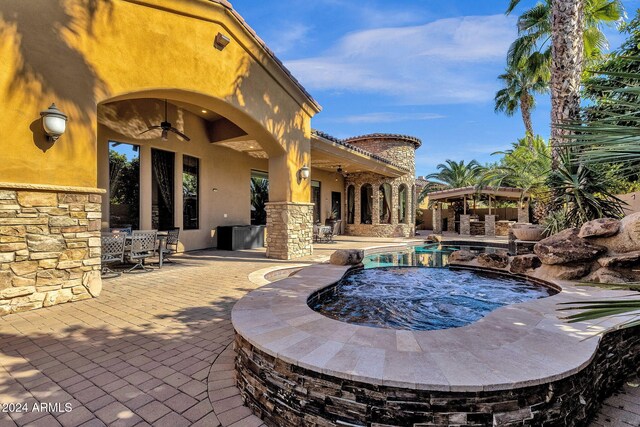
x=163 y=169
x=366 y=204
x=351 y=204
x=385 y=204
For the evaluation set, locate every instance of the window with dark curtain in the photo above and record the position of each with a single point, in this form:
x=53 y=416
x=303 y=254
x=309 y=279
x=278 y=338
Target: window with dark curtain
x=351 y=204
x=124 y=185
x=385 y=204
x=366 y=204
x=402 y=204
x=190 y=192
x=315 y=199
x=162 y=189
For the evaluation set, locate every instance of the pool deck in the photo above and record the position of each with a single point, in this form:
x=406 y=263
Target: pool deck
x=515 y=346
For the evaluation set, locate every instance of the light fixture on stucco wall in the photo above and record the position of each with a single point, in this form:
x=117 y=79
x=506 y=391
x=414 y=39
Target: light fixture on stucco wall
x=304 y=172
x=221 y=41
x=54 y=122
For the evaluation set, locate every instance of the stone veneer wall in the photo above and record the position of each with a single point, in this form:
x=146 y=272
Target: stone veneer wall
x=289 y=230
x=284 y=395
x=401 y=153
x=49 y=247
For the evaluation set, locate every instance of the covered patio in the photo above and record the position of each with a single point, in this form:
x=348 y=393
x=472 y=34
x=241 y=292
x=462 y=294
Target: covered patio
x=463 y=216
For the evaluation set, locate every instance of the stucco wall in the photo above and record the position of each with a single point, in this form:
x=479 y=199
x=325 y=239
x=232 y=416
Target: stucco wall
x=329 y=182
x=79 y=57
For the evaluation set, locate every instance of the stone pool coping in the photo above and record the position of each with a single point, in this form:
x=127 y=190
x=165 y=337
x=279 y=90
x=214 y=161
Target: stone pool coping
x=515 y=346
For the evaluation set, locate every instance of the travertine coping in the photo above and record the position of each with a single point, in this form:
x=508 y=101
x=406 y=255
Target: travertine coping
x=515 y=346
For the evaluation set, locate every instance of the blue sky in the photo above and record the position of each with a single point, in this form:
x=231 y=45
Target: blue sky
x=422 y=68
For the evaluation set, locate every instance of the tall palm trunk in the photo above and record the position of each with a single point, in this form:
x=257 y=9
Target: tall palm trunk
x=567 y=55
x=525 y=110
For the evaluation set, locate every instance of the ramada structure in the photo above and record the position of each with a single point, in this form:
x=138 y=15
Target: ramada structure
x=115 y=68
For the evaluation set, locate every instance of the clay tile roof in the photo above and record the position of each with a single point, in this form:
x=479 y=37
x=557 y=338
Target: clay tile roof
x=324 y=135
x=407 y=138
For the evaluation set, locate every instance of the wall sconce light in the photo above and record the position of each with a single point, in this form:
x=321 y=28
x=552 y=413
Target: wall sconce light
x=54 y=122
x=221 y=41
x=304 y=172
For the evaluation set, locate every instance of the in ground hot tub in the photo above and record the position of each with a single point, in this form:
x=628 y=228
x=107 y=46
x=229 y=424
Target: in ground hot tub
x=519 y=363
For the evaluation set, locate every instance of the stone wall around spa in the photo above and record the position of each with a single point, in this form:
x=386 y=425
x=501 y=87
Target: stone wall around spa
x=283 y=394
x=49 y=246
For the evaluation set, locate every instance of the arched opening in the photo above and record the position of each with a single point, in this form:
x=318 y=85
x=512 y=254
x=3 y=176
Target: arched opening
x=385 y=204
x=193 y=184
x=366 y=204
x=351 y=204
x=402 y=204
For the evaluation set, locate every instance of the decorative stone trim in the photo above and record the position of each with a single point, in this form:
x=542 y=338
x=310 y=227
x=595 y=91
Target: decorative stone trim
x=55 y=188
x=289 y=230
x=49 y=248
x=465 y=225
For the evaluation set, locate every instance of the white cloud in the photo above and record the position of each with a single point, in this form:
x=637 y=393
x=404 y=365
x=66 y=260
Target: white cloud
x=287 y=37
x=447 y=61
x=385 y=118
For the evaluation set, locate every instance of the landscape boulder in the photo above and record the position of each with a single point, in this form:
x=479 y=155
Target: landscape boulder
x=493 y=260
x=627 y=239
x=629 y=259
x=347 y=257
x=566 y=247
x=462 y=256
x=603 y=227
x=563 y=272
x=521 y=263
x=606 y=275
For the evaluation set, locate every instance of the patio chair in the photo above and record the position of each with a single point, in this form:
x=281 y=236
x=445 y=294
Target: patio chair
x=143 y=246
x=112 y=251
x=171 y=246
x=335 y=231
x=316 y=232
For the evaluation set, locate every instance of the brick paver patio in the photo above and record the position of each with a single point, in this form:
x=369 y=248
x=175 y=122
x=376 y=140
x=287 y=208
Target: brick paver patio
x=140 y=354
x=153 y=349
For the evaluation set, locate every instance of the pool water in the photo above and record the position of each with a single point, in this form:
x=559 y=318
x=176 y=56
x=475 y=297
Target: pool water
x=417 y=297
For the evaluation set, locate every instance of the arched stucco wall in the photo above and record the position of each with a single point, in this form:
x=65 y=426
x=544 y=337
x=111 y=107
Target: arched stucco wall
x=82 y=53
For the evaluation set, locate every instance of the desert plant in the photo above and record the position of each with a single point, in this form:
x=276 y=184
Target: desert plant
x=581 y=192
x=259 y=199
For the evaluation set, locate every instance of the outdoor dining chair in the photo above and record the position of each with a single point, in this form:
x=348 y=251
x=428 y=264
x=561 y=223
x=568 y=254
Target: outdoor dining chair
x=334 y=231
x=112 y=251
x=143 y=246
x=171 y=245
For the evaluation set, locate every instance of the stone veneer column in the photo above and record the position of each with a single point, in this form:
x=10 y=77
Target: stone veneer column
x=437 y=219
x=49 y=246
x=523 y=212
x=490 y=225
x=451 y=219
x=465 y=225
x=289 y=229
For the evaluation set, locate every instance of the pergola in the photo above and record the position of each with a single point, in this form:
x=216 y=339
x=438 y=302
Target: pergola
x=473 y=225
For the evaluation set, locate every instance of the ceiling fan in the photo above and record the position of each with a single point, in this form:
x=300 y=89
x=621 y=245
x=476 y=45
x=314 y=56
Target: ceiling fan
x=166 y=127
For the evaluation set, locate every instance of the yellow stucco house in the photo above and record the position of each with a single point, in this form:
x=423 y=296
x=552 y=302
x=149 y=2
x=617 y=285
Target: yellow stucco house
x=115 y=68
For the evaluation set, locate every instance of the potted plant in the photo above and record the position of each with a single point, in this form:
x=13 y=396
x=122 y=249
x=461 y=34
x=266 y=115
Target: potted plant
x=332 y=217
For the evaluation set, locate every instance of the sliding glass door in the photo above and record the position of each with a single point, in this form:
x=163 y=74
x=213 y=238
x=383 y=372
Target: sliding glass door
x=124 y=185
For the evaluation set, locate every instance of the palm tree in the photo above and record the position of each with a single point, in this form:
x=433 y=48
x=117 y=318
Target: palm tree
x=520 y=83
x=452 y=174
x=575 y=30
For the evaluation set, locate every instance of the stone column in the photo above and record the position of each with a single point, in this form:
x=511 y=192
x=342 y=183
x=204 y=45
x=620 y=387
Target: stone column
x=437 y=219
x=523 y=212
x=490 y=225
x=465 y=225
x=451 y=219
x=289 y=229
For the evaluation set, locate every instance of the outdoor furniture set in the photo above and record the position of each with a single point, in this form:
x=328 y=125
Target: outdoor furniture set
x=136 y=246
